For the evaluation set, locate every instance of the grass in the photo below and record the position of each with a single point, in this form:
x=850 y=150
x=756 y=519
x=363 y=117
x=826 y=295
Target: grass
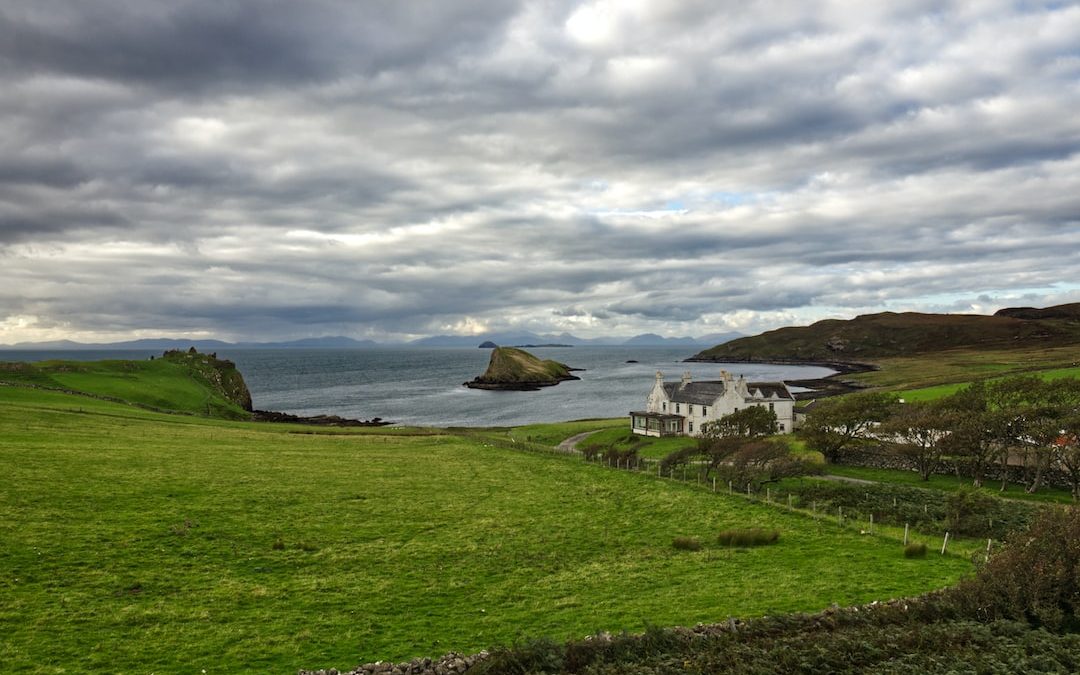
x=134 y=541
x=552 y=434
x=161 y=384
x=943 y=390
x=621 y=438
x=965 y=365
x=949 y=483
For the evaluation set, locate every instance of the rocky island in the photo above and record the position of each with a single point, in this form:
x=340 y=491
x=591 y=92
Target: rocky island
x=518 y=370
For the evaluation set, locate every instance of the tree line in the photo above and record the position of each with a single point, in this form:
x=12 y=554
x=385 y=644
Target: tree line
x=1019 y=421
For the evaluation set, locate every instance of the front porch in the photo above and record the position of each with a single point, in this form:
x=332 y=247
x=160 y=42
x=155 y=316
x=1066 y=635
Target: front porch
x=656 y=424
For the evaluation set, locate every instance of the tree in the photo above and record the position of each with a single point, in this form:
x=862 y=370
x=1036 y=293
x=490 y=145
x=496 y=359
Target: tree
x=759 y=461
x=835 y=424
x=1014 y=417
x=751 y=421
x=1068 y=455
x=914 y=431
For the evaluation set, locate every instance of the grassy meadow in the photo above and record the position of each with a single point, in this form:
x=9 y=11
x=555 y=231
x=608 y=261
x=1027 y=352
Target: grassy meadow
x=133 y=541
x=964 y=365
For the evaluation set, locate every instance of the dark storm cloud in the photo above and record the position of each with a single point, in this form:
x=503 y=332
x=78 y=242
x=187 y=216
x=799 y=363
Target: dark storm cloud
x=193 y=44
x=387 y=169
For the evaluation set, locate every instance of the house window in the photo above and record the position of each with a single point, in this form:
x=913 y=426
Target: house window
x=691 y=427
x=781 y=427
x=770 y=406
x=665 y=406
x=676 y=407
x=704 y=410
x=690 y=409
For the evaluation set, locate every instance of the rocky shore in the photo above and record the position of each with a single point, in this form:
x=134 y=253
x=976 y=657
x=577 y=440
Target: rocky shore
x=317 y=420
x=821 y=387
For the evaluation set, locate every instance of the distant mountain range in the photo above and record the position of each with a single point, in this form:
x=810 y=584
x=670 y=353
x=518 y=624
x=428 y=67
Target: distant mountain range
x=340 y=342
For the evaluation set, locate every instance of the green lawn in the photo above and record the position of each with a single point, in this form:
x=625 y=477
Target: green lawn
x=621 y=438
x=132 y=541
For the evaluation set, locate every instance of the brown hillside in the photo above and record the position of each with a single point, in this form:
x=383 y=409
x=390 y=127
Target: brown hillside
x=891 y=334
x=1070 y=312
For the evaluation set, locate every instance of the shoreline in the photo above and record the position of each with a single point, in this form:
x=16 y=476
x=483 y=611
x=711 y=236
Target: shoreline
x=822 y=387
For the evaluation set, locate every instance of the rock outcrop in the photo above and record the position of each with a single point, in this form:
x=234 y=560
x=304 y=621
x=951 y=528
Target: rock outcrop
x=516 y=369
x=219 y=374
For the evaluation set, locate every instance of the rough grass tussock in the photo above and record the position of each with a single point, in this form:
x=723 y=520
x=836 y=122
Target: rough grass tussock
x=686 y=543
x=745 y=537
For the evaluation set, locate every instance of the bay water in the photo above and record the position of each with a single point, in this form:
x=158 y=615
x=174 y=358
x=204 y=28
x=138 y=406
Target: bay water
x=424 y=386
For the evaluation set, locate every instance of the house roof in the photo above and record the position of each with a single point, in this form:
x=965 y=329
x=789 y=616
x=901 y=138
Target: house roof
x=706 y=392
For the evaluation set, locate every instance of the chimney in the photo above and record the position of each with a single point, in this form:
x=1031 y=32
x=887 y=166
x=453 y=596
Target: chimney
x=659 y=376
x=725 y=376
x=686 y=378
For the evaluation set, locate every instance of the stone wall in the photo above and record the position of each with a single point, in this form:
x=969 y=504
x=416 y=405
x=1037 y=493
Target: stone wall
x=879 y=458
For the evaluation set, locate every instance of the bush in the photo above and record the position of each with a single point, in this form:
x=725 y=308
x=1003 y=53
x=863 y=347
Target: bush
x=752 y=536
x=686 y=543
x=915 y=550
x=1035 y=579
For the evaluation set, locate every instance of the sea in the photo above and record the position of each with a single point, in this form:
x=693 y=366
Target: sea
x=424 y=386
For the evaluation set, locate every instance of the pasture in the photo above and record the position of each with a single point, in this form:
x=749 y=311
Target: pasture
x=133 y=541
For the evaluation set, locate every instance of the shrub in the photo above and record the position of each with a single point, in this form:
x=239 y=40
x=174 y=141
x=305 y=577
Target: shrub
x=751 y=536
x=915 y=550
x=686 y=543
x=624 y=458
x=1035 y=579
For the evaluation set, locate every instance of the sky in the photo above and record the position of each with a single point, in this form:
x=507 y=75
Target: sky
x=271 y=169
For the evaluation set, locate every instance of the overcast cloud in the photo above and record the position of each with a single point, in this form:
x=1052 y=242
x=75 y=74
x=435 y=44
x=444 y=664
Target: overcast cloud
x=268 y=169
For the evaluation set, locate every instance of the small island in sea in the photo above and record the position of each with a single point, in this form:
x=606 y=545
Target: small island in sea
x=518 y=370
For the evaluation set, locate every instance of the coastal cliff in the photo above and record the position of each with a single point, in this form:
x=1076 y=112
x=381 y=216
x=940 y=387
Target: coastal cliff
x=516 y=369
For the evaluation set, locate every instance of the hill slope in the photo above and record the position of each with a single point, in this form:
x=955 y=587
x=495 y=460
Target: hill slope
x=512 y=368
x=892 y=334
x=186 y=382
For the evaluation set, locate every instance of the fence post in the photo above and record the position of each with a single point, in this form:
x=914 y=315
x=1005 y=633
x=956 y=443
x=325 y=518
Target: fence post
x=789 y=500
x=748 y=489
x=730 y=489
x=987 y=558
x=944 y=543
x=768 y=494
x=840 y=515
x=905 y=533
x=714 y=483
x=871 y=523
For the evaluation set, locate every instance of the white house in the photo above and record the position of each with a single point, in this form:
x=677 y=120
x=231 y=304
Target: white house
x=681 y=408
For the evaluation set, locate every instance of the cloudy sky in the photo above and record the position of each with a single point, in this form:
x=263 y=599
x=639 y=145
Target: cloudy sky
x=260 y=169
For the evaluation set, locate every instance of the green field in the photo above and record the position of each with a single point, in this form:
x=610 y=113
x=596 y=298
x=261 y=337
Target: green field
x=170 y=385
x=943 y=390
x=964 y=365
x=132 y=541
x=621 y=438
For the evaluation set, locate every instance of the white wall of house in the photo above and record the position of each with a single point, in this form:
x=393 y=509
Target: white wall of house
x=737 y=395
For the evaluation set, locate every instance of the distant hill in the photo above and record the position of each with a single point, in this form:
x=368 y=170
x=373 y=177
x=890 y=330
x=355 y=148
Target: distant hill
x=1070 y=312
x=654 y=340
x=898 y=334
x=163 y=344
x=517 y=369
x=341 y=342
